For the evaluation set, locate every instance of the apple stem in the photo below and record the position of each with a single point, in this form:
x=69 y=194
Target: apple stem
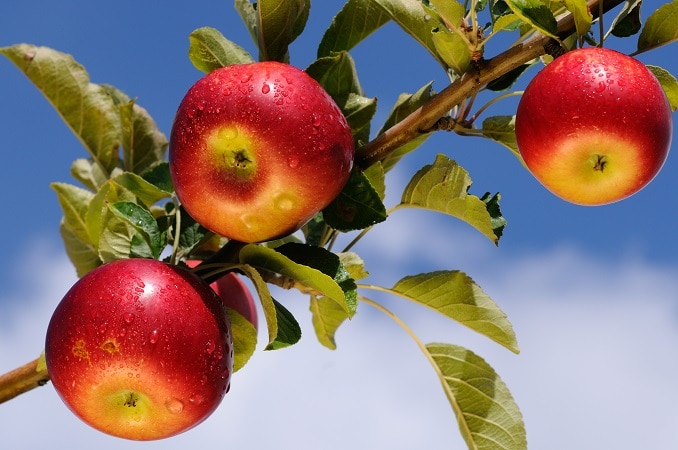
x=22 y=379
x=422 y=119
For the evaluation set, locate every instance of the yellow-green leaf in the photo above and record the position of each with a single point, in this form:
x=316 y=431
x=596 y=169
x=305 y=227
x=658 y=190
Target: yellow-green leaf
x=453 y=49
x=209 y=49
x=487 y=415
x=326 y=316
x=305 y=277
x=669 y=84
x=443 y=187
x=660 y=28
x=582 y=15
x=455 y=295
x=244 y=338
x=87 y=108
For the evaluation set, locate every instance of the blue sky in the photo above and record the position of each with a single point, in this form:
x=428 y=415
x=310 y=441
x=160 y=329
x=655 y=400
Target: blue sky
x=591 y=291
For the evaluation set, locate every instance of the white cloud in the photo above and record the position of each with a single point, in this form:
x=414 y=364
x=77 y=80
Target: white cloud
x=597 y=369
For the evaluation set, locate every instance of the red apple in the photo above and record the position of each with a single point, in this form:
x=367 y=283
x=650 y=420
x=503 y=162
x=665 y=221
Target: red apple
x=594 y=126
x=235 y=294
x=256 y=150
x=140 y=349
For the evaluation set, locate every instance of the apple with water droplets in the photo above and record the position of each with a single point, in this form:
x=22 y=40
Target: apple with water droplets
x=594 y=126
x=140 y=349
x=256 y=150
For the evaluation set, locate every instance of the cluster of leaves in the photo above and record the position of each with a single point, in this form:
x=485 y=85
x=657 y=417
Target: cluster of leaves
x=125 y=205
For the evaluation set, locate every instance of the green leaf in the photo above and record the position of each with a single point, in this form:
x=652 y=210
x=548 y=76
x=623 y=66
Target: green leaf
x=536 y=14
x=209 y=49
x=487 y=415
x=660 y=28
x=453 y=50
x=244 y=336
x=669 y=84
x=289 y=331
x=112 y=235
x=160 y=177
x=305 y=277
x=88 y=173
x=507 y=22
x=503 y=130
x=451 y=11
x=192 y=233
x=357 y=206
x=355 y=22
x=267 y=303
x=337 y=75
x=358 y=111
x=326 y=316
x=443 y=187
x=82 y=254
x=142 y=219
x=417 y=20
x=280 y=22
x=627 y=22
x=143 y=143
x=582 y=15
x=328 y=263
x=377 y=177
x=145 y=191
x=455 y=295
x=74 y=203
x=87 y=108
x=405 y=105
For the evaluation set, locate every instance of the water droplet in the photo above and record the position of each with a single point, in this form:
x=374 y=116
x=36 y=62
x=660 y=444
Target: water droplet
x=293 y=162
x=601 y=86
x=197 y=399
x=209 y=346
x=316 y=121
x=245 y=78
x=175 y=406
x=266 y=88
x=129 y=317
x=227 y=92
x=153 y=337
x=284 y=201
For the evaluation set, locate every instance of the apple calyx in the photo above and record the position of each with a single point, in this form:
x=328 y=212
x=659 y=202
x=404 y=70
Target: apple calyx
x=231 y=148
x=599 y=162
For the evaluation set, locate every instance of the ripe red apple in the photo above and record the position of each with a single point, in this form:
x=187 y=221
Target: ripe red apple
x=256 y=150
x=140 y=349
x=235 y=294
x=594 y=126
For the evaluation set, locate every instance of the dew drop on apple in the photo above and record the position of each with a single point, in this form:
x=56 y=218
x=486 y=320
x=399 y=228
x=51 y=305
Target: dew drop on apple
x=129 y=317
x=293 y=163
x=174 y=405
x=197 y=399
x=209 y=346
x=153 y=336
x=266 y=88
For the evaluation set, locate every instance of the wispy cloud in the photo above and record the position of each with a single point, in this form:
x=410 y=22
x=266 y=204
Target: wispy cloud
x=597 y=368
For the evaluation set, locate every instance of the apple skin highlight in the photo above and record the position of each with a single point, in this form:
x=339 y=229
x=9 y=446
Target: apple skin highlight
x=594 y=126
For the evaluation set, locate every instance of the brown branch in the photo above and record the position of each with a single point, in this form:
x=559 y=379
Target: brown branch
x=22 y=379
x=439 y=106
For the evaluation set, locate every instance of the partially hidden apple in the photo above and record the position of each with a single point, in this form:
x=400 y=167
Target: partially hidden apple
x=235 y=294
x=256 y=150
x=594 y=126
x=140 y=349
